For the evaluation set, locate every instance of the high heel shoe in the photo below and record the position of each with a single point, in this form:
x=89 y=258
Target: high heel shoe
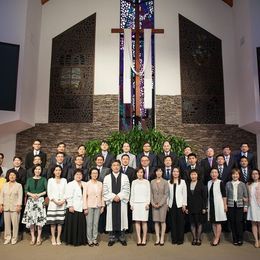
x=215 y=244
x=198 y=243
x=32 y=242
x=157 y=243
x=194 y=242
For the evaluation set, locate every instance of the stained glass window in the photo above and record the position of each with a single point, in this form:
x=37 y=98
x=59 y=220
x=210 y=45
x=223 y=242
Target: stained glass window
x=128 y=118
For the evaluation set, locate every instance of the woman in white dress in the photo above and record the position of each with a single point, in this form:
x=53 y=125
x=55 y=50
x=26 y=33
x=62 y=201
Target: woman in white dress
x=217 y=205
x=253 y=213
x=56 y=189
x=139 y=202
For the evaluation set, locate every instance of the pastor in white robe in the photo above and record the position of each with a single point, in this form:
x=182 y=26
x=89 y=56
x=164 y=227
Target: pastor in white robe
x=109 y=197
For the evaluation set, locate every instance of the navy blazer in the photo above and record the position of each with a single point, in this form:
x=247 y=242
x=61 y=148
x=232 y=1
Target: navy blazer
x=250 y=157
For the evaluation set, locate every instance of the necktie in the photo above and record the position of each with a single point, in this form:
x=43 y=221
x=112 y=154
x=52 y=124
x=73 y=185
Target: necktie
x=145 y=174
x=168 y=174
x=124 y=168
x=227 y=160
x=210 y=162
x=220 y=172
x=245 y=174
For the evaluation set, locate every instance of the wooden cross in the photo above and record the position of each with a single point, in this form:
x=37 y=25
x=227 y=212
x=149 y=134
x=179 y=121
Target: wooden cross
x=137 y=31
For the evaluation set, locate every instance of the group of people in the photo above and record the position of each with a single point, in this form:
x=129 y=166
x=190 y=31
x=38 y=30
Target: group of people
x=79 y=198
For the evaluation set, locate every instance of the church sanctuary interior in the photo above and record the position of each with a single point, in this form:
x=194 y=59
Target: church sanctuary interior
x=64 y=78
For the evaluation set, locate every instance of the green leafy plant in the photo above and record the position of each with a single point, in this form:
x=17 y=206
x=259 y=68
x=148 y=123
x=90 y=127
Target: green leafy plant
x=136 y=139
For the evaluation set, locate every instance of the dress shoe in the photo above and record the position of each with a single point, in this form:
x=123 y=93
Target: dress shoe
x=139 y=244
x=111 y=243
x=198 y=243
x=161 y=243
x=194 y=242
x=179 y=243
x=214 y=244
x=96 y=243
x=157 y=243
x=124 y=243
x=240 y=243
x=143 y=243
x=235 y=243
x=7 y=242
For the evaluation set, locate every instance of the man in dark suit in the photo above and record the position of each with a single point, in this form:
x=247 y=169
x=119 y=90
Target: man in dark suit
x=230 y=160
x=35 y=151
x=21 y=172
x=223 y=170
x=130 y=172
x=193 y=165
x=183 y=160
x=168 y=167
x=126 y=169
x=147 y=152
x=245 y=169
x=59 y=160
x=149 y=171
x=36 y=161
x=207 y=164
x=78 y=164
x=244 y=152
x=108 y=157
x=61 y=147
x=166 y=151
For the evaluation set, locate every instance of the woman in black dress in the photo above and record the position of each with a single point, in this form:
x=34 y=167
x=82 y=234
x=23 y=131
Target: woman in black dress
x=196 y=206
x=75 y=220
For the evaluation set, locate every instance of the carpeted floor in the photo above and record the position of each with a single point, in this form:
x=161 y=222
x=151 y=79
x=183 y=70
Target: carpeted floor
x=46 y=251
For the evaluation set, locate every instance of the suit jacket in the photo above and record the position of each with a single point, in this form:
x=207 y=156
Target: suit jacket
x=165 y=174
x=64 y=174
x=206 y=168
x=130 y=172
x=104 y=172
x=109 y=159
x=226 y=174
x=11 y=197
x=93 y=197
x=249 y=171
x=250 y=157
x=186 y=176
x=152 y=157
x=67 y=160
x=197 y=201
x=161 y=156
x=74 y=195
x=132 y=162
x=183 y=165
x=21 y=175
x=232 y=163
x=30 y=156
x=151 y=174
x=180 y=194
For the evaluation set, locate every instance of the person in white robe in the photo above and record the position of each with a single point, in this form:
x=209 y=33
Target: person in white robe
x=116 y=191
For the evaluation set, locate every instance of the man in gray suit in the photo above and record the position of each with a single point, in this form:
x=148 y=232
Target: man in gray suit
x=126 y=150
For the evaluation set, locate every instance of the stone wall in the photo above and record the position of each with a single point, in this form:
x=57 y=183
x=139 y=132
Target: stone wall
x=168 y=120
x=105 y=121
x=199 y=136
